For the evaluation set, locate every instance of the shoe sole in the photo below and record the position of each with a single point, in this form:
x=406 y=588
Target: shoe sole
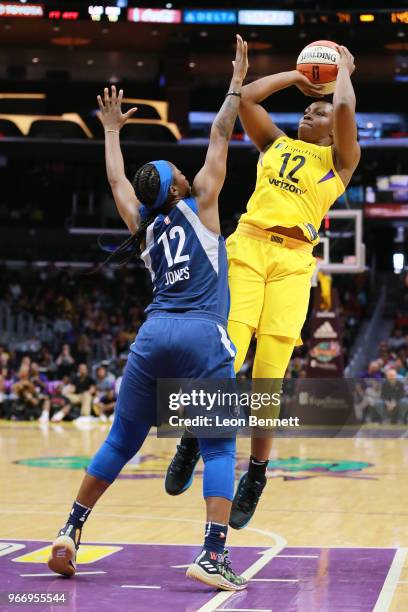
x=195 y=572
x=62 y=558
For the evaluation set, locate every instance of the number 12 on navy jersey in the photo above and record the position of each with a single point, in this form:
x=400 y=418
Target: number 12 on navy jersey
x=179 y=257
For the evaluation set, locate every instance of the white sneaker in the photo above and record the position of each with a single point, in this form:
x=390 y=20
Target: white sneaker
x=58 y=416
x=103 y=418
x=45 y=417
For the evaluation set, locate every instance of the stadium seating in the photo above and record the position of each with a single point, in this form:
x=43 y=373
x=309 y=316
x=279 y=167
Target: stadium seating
x=41 y=126
x=153 y=130
x=8 y=129
x=24 y=115
x=23 y=103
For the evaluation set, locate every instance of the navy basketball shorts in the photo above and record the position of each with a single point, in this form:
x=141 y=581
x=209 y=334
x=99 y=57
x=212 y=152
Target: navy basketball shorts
x=172 y=346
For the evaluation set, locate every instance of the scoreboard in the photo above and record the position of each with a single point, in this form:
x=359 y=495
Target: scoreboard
x=122 y=11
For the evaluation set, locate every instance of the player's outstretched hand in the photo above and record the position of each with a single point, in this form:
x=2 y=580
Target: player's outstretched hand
x=307 y=87
x=241 y=60
x=110 y=110
x=346 y=59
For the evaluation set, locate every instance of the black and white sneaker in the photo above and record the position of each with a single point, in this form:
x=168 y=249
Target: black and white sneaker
x=215 y=570
x=180 y=473
x=245 y=501
x=64 y=549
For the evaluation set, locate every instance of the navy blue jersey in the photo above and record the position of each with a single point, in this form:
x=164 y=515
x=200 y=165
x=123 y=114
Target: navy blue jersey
x=187 y=263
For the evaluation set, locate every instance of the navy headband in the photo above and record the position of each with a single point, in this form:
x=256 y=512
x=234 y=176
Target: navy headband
x=166 y=178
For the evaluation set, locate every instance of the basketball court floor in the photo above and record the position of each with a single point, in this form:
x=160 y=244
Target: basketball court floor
x=330 y=534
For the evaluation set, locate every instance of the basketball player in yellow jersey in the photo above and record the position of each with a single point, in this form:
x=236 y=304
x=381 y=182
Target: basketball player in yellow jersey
x=270 y=253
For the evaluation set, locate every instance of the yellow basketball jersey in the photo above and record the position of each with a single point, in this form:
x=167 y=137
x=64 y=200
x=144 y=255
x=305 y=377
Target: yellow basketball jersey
x=296 y=185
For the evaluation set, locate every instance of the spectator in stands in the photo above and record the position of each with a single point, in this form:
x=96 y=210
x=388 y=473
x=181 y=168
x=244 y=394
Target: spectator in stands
x=393 y=395
x=62 y=327
x=4 y=360
x=25 y=364
x=403 y=356
x=105 y=381
x=397 y=340
x=121 y=344
x=65 y=361
x=369 y=406
x=105 y=405
x=26 y=401
x=374 y=370
x=38 y=379
x=46 y=361
x=81 y=390
x=400 y=368
x=56 y=405
x=3 y=396
x=83 y=349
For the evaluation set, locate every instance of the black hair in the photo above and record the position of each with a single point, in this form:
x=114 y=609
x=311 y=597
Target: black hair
x=146 y=184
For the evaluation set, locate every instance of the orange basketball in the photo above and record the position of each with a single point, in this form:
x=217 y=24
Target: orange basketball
x=318 y=62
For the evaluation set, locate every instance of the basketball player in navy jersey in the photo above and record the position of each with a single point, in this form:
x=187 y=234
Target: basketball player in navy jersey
x=185 y=333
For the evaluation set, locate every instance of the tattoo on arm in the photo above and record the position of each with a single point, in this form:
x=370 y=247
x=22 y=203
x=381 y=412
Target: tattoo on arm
x=225 y=119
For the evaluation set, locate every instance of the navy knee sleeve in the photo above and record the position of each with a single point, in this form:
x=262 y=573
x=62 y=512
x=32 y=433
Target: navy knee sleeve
x=124 y=440
x=219 y=465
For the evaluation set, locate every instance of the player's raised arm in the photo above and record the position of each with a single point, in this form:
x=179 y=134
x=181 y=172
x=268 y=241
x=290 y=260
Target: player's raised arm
x=209 y=181
x=112 y=119
x=255 y=119
x=346 y=148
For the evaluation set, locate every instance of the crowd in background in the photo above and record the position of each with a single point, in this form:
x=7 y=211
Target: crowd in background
x=71 y=364
x=81 y=327
x=382 y=394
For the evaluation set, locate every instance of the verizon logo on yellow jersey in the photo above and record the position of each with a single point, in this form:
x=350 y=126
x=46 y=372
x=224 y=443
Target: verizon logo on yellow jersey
x=287 y=186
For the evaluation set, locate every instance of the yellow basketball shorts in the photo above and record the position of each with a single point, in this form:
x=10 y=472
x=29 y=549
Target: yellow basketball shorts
x=269 y=282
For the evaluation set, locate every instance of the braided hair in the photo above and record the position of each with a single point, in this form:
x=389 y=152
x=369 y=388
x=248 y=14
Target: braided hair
x=146 y=184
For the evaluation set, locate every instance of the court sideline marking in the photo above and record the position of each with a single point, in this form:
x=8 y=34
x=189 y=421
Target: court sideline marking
x=280 y=543
x=391 y=581
x=264 y=532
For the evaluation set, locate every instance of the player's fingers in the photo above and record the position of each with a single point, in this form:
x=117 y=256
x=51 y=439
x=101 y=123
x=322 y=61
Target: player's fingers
x=100 y=103
x=347 y=53
x=312 y=94
x=106 y=96
x=113 y=94
x=239 y=45
x=130 y=112
x=315 y=89
x=120 y=96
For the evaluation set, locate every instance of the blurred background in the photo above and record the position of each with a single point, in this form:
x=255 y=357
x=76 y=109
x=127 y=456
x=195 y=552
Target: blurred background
x=174 y=60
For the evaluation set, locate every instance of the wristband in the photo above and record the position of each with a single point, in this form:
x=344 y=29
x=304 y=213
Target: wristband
x=114 y=131
x=234 y=93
